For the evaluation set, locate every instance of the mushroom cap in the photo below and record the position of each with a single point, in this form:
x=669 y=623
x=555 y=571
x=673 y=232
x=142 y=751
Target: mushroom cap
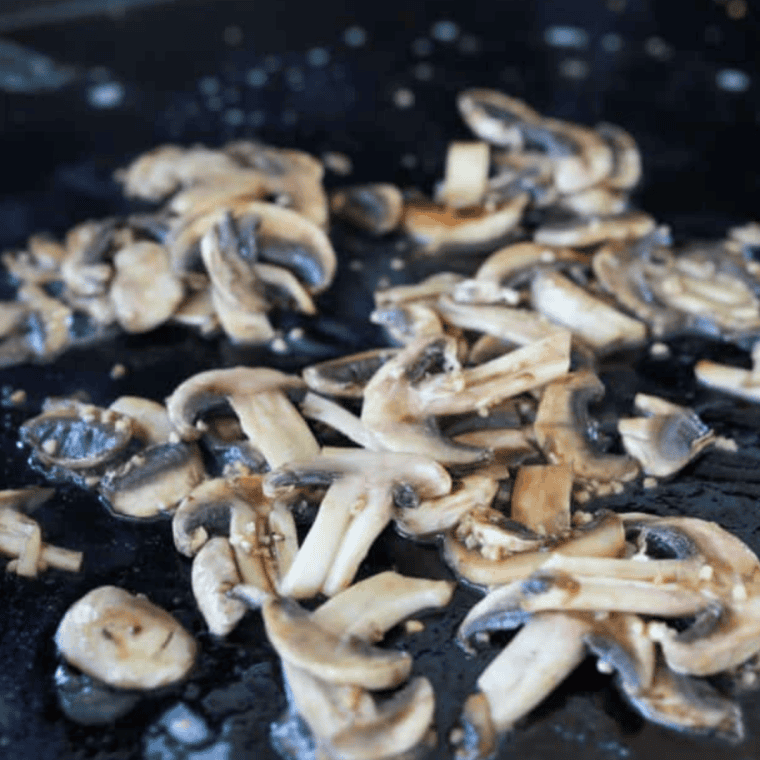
x=375 y=208
x=125 y=640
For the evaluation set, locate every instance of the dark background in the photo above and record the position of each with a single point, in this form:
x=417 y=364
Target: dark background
x=326 y=76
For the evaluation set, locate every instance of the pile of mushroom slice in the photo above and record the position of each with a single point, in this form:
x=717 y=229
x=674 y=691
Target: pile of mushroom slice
x=242 y=232
x=678 y=604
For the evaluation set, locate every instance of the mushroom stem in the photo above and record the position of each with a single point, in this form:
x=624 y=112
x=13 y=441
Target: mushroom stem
x=324 y=410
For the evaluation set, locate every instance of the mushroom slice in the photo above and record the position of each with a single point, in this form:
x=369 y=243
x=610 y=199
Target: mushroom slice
x=433 y=516
x=427 y=290
x=531 y=666
x=402 y=724
x=376 y=208
x=598 y=324
x=598 y=201
x=496 y=563
x=541 y=498
x=438 y=228
x=626 y=157
x=145 y=291
x=353 y=512
x=466 y=175
x=370 y=608
x=736 y=381
x=595 y=229
x=302 y=642
x=667 y=439
x=125 y=640
x=207 y=509
x=347 y=376
x=214 y=573
x=495 y=117
x=77 y=436
x=284 y=289
x=562 y=430
x=257 y=397
x=403 y=397
x=161 y=171
x=155 y=480
x=518 y=326
x=409 y=322
x=150 y=420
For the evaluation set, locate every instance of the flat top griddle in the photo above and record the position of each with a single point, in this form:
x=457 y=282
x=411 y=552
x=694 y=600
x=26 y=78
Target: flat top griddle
x=680 y=77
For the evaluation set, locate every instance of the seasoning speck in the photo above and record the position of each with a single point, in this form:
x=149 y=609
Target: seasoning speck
x=355 y=36
x=106 y=95
x=422 y=47
x=256 y=77
x=732 y=80
x=612 y=42
x=444 y=31
x=318 y=57
x=403 y=98
x=574 y=68
x=117 y=371
x=566 y=36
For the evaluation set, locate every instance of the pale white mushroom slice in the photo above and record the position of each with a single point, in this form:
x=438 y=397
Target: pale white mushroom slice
x=407 y=323
x=369 y=608
x=597 y=323
x=495 y=562
x=466 y=175
x=736 y=381
x=401 y=398
x=494 y=116
x=125 y=640
x=51 y=334
x=427 y=290
x=529 y=668
x=562 y=430
x=595 y=229
x=197 y=310
x=316 y=407
x=437 y=228
x=302 y=642
x=357 y=506
x=433 y=516
x=150 y=419
x=214 y=573
x=144 y=290
x=346 y=376
x=541 y=498
x=601 y=200
x=626 y=157
x=375 y=207
x=667 y=439
x=518 y=326
x=257 y=397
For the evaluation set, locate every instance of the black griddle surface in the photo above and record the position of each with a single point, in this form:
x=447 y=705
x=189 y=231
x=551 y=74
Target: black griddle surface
x=203 y=72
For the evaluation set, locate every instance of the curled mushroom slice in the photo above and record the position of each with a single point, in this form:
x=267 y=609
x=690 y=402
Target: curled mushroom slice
x=145 y=291
x=300 y=641
x=77 y=436
x=355 y=509
x=562 y=430
x=439 y=228
x=595 y=229
x=667 y=439
x=626 y=157
x=376 y=208
x=214 y=573
x=404 y=395
x=736 y=381
x=433 y=516
x=347 y=376
x=125 y=640
x=494 y=116
x=257 y=397
x=598 y=324
x=531 y=666
x=408 y=323
x=500 y=561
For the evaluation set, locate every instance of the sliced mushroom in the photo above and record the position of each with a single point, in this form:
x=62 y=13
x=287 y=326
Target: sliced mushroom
x=494 y=116
x=214 y=573
x=466 y=175
x=426 y=291
x=598 y=324
x=736 y=381
x=626 y=158
x=355 y=509
x=376 y=208
x=595 y=229
x=598 y=201
x=436 y=228
x=541 y=498
x=562 y=430
x=301 y=642
x=77 y=436
x=257 y=397
x=145 y=291
x=408 y=323
x=667 y=439
x=501 y=559
x=125 y=640
x=347 y=376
